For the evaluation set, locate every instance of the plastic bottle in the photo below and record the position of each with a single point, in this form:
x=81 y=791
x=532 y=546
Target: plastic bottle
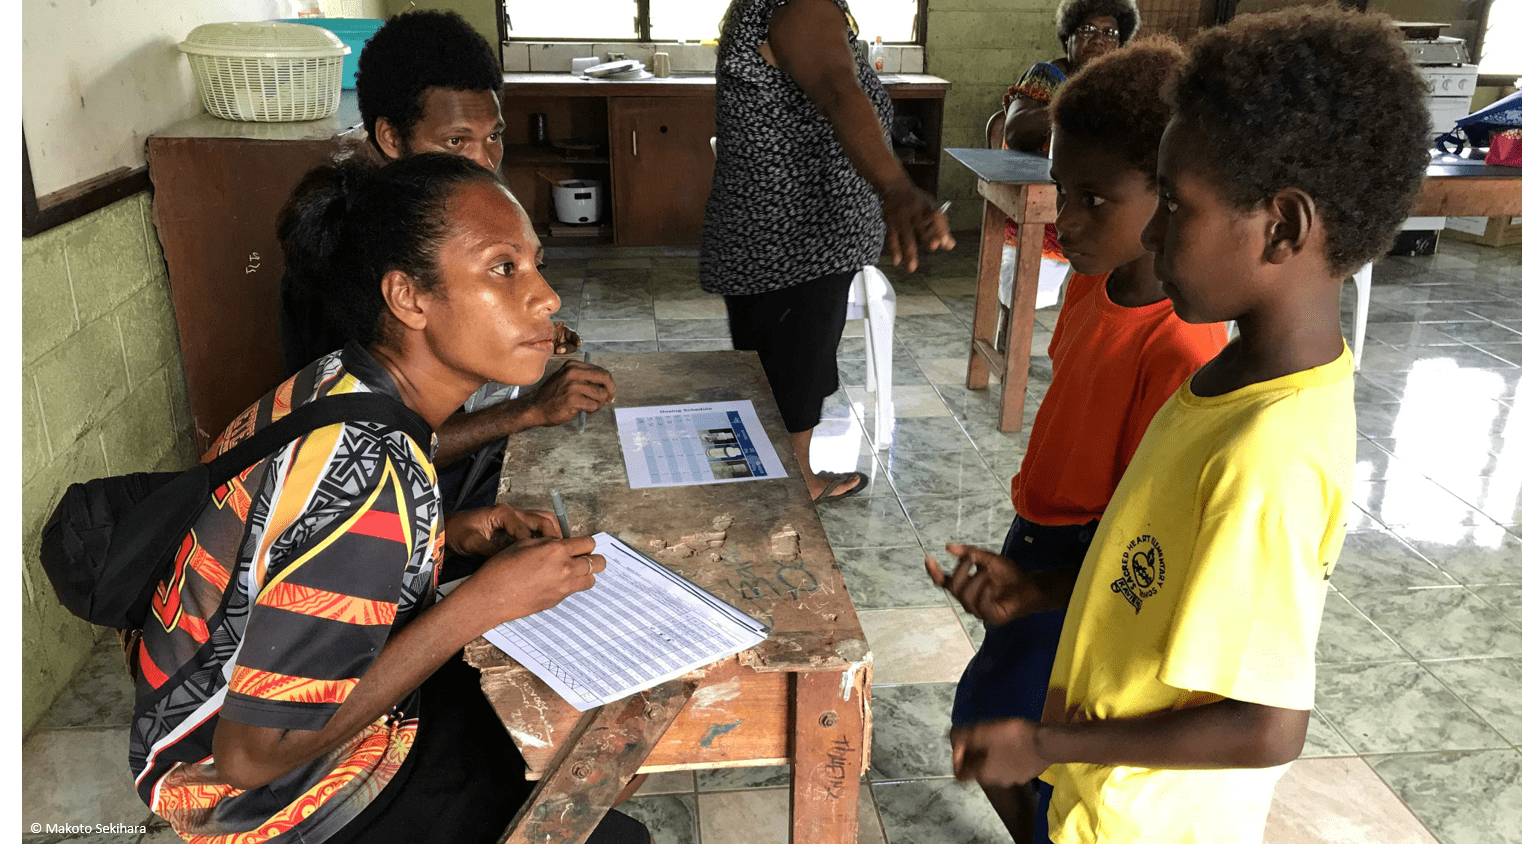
x=875 y=55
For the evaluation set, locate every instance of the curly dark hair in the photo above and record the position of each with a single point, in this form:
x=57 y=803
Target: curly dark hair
x=415 y=51
x=349 y=223
x=1118 y=99
x=1320 y=98
x=1072 y=13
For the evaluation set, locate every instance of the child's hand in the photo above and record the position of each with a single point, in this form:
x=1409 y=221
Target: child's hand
x=1001 y=752
x=989 y=586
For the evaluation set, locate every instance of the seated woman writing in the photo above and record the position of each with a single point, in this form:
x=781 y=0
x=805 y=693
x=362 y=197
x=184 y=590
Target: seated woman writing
x=299 y=678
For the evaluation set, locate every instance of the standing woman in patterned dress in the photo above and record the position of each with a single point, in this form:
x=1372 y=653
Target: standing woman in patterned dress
x=805 y=191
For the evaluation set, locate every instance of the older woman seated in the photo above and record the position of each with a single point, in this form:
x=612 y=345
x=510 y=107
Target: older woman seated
x=1087 y=29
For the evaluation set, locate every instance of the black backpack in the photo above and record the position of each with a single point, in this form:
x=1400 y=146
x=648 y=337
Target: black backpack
x=111 y=541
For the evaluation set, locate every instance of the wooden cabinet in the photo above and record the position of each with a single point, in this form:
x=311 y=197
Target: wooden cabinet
x=662 y=167
x=925 y=101
x=218 y=187
x=652 y=152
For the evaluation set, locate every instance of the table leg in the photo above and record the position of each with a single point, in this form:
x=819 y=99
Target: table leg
x=831 y=731
x=1022 y=321
x=985 y=314
x=595 y=762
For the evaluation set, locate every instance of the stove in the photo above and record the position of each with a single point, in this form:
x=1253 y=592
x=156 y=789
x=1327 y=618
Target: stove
x=1443 y=62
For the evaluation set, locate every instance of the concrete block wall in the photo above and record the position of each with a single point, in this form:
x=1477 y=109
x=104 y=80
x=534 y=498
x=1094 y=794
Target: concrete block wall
x=982 y=47
x=103 y=393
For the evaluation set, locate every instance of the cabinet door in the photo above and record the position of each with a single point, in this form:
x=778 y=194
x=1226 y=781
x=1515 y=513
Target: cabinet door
x=215 y=202
x=662 y=166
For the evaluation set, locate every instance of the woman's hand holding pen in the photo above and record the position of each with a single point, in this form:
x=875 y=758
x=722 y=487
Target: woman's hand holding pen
x=527 y=577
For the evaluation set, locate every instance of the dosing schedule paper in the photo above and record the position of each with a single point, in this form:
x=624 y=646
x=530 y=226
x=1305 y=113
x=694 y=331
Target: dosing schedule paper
x=697 y=444
x=638 y=626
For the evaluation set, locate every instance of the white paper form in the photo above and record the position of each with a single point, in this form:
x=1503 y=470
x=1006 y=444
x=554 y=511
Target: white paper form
x=638 y=626
x=696 y=444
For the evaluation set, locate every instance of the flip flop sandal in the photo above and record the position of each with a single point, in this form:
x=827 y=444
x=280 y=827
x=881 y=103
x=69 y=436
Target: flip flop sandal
x=835 y=480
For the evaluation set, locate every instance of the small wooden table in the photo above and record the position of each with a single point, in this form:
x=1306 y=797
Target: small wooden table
x=802 y=697
x=1018 y=186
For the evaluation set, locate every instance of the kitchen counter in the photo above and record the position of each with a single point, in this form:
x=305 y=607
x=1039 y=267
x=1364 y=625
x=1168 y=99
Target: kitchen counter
x=677 y=85
x=648 y=142
x=204 y=125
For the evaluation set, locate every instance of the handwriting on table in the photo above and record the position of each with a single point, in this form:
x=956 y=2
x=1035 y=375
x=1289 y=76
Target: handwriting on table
x=836 y=763
x=790 y=581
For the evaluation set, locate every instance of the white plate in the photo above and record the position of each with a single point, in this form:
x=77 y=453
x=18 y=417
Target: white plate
x=631 y=76
x=609 y=69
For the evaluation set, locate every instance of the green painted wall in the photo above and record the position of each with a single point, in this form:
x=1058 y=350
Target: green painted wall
x=480 y=14
x=982 y=47
x=103 y=392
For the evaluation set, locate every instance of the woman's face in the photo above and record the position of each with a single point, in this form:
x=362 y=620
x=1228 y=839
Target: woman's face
x=1093 y=38
x=489 y=315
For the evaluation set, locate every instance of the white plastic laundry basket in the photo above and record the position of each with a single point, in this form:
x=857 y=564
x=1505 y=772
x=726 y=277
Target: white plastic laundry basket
x=266 y=70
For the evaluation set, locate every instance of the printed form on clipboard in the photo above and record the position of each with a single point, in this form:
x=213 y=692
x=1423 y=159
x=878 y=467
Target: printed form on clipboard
x=638 y=626
x=695 y=444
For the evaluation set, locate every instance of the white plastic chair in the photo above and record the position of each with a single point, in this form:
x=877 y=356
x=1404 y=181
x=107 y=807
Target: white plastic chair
x=872 y=297
x=1363 y=278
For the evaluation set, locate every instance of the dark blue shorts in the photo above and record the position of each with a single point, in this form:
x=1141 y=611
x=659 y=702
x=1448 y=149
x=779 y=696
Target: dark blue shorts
x=1009 y=675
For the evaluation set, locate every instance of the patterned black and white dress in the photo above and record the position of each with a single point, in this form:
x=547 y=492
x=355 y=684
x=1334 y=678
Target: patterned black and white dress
x=786 y=205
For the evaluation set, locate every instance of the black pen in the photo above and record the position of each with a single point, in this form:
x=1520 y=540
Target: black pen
x=558 y=505
x=581 y=416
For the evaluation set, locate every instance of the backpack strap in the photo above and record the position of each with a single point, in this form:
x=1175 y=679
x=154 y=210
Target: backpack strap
x=325 y=411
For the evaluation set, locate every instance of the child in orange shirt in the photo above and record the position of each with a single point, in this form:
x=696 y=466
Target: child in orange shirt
x=1118 y=352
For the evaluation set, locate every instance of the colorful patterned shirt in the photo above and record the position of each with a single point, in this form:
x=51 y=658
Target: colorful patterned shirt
x=786 y=205
x=282 y=595
x=1039 y=83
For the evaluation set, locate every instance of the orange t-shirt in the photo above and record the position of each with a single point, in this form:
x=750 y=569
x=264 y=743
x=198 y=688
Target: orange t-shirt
x=1112 y=368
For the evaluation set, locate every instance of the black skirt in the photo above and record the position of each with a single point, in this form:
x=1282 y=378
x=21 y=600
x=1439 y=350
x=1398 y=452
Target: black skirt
x=796 y=330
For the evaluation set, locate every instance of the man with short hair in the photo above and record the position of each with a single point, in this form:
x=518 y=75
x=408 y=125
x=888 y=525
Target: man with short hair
x=427 y=83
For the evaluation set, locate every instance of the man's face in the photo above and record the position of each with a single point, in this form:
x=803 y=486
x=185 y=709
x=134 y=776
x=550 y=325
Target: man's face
x=462 y=123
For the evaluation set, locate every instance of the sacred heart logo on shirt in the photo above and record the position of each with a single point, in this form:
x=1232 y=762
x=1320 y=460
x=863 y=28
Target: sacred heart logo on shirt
x=1141 y=571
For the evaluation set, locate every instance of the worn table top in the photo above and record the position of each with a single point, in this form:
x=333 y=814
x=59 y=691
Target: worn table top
x=519 y=83
x=1003 y=166
x=757 y=545
x=1462 y=166
x=1013 y=166
x=204 y=125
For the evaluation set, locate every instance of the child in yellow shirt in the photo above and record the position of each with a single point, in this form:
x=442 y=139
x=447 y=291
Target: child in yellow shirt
x=1185 y=672
x=1118 y=353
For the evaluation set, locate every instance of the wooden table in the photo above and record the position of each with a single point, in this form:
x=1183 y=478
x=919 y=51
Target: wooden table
x=802 y=697
x=1018 y=186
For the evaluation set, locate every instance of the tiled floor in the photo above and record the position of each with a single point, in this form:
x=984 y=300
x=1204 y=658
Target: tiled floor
x=1419 y=707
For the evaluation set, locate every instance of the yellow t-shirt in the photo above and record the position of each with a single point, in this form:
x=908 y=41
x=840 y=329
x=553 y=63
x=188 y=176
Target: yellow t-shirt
x=1205 y=581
